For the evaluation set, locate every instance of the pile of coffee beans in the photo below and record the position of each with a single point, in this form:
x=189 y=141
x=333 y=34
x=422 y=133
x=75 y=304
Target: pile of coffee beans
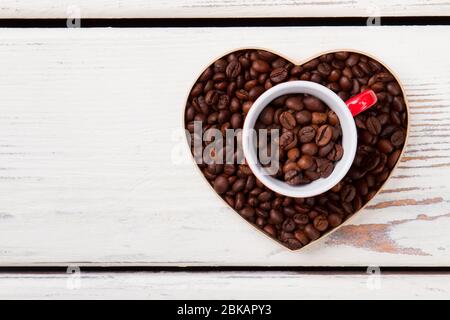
x=225 y=92
x=310 y=137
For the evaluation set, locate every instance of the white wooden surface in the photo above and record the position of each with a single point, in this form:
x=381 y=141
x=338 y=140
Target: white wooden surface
x=88 y=122
x=224 y=285
x=220 y=8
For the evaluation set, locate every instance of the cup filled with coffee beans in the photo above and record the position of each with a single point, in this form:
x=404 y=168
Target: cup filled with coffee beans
x=299 y=137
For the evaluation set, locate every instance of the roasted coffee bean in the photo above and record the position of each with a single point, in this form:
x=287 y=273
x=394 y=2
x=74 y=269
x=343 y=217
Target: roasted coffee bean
x=333 y=86
x=352 y=59
x=238 y=185
x=301 y=218
x=384 y=76
x=260 y=66
x=236 y=121
x=383 y=118
x=220 y=66
x=362 y=187
x=313 y=104
x=334 y=220
x=224 y=94
x=345 y=83
x=251 y=180
x=396 y=118
x=326 y=168
x=197 y=89
x=318 y=118
x=338 y=152
x=289 y=166
x=240 y=201
x=324 y=69
x=242 y=95
x=289 y=211
x=321 y=223
x=223 y=116
x=212 y=97
x=306 y=134
x=302 y=237
x=383 y=175
x=306 y=76
x=311 y=174
x=392 y=159
x=305 y=162
x=398 y=104
x=265 y=196
x=295 y=103
x=313 y=214
x=280 y=62
x=295 y=178
x=393 y=88
x=260 y=222
x=310 y=148
x=255 y=92
x=287 y=120
x=262 y=213
x=311 y=232
x=348 y=193
x=266 y=55
x=370 y=161
x=378 y=86
x=215 y=168
x=332 y=118
x=250 y=84
x=275 y=216
x=398 y=138
x=334 y=76
x=221 y=184
x=271 y=230
x=278 y=75
x=233 y=69
x=265 y=205
x=288 y=225
x=311 y=64
x=293 y=154
x=385 y=146
x=303 y=117
x=373 y=125
x=247 y=212
x=287 y=140
x=324 y=135
x=357 y=71
x=387 y=131
x=293 y=244
x=366 y=137
x=291 y=174
x=267 y=116
x=343 y=55
x=252 y=201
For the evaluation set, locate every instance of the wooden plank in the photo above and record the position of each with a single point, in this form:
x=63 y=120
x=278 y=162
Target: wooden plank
x=89 y=151
x=220 y=8
x=224 y=285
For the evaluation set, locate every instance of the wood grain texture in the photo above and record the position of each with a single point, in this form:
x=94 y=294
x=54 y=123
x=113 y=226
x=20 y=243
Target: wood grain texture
x=91 y=151
x=220 y=8
x=224 y=285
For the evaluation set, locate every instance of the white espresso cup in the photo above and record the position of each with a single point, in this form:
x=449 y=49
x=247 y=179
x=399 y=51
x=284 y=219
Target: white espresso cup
x=345 y=112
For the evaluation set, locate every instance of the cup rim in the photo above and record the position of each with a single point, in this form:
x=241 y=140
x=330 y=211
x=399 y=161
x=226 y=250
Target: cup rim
x=349 y=138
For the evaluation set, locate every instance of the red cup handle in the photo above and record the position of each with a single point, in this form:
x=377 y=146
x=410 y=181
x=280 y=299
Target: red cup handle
x=361 y=102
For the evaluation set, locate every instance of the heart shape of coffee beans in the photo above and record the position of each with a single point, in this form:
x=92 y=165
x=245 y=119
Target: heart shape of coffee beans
x=226 y=90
